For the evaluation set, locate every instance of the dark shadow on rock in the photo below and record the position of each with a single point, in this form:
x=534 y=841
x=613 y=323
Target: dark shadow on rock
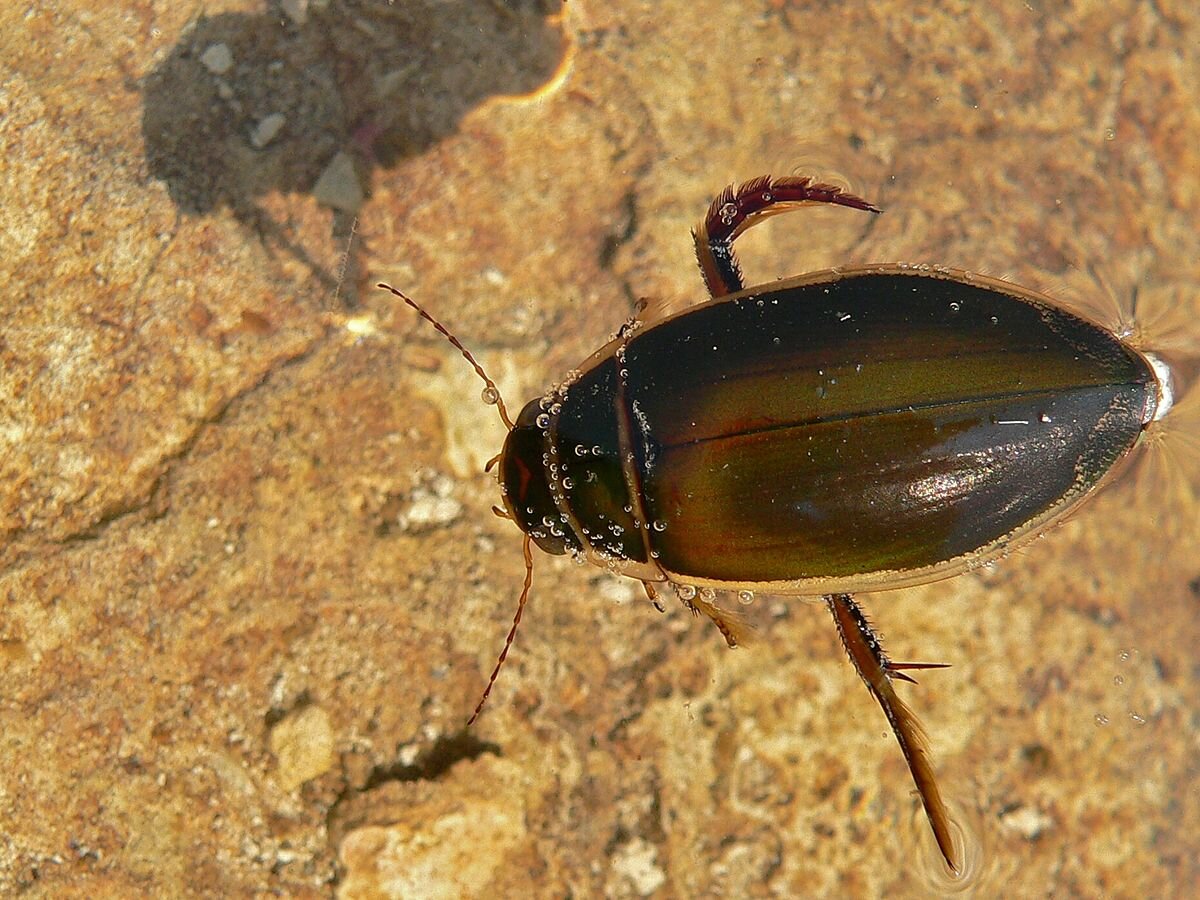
x=247 y=105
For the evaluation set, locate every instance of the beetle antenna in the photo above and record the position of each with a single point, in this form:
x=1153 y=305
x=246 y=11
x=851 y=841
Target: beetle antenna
x=492 y=393
x=512 y=632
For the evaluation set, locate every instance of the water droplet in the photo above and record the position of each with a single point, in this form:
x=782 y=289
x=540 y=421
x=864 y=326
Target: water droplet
x=490 y=395
x=1118 y=680
x=745 y=597
x=1101 y=719
x=708 y=595
x=686 y=591
x=542 y=421
x=659 y=525
x=580 y=450
x=955 y=306
x=568 y=483
x=1136 y=719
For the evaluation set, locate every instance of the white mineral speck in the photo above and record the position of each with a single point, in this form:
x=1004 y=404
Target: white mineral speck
x=266 y=130
x=636 y=861
x=218 y=58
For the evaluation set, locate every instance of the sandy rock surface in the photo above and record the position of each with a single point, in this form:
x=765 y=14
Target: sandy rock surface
x=250 y=586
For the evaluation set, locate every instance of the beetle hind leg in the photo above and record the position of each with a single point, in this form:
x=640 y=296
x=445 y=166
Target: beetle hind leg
x=878 y=672
x=739 y=207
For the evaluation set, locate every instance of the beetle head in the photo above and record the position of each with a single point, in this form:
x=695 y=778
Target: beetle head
x=526 y=475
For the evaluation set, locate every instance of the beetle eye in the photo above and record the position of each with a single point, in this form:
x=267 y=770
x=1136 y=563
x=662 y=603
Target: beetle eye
x=526 y=477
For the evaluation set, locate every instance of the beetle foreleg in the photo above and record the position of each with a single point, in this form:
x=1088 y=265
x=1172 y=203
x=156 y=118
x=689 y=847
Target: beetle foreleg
x=739 y=207
x=863 y=647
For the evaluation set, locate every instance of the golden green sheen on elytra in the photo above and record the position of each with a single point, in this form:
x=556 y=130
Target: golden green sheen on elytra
x=870 y=423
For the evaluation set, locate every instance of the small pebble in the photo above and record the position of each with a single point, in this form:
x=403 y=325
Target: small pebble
x=218 y=58
x=266 y=130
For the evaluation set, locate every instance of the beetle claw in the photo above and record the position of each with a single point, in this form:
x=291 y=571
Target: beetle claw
x=893 y=669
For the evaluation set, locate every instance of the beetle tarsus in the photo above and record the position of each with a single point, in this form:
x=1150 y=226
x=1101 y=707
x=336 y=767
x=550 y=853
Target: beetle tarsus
x=652 y=595
x=865 y=651
x=743 y=206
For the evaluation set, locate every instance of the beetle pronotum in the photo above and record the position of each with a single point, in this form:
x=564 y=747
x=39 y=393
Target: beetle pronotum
x=841 y=432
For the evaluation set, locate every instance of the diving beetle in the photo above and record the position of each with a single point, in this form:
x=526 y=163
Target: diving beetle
x=841 y=432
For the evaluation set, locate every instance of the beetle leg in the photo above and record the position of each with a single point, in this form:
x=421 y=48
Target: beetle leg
x=863 y=647
x=652 y=594
x=742 y=206
x=733 y=627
